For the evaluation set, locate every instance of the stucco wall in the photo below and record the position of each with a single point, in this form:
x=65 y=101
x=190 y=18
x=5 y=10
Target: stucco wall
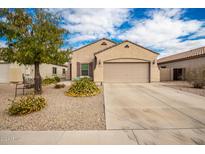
x=165 y=74
x=126 y=53
x=15 y=71
x=86 y=54
x=4 y=68
x=46 y=70
x=189 y=65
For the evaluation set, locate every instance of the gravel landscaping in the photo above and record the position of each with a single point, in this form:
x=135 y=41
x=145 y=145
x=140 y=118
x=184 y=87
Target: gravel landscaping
x=61 y=113
x=184 y=86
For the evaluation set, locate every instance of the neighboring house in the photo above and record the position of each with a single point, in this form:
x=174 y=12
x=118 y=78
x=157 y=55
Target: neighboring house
x=188 y=65
x=107 y=61
x=13 y=72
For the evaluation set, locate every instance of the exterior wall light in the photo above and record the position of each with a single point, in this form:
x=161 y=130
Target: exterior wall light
x=99 y=62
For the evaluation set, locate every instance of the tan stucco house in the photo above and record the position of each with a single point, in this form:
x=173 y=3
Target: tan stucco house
x=189 y=65
x=108 y=61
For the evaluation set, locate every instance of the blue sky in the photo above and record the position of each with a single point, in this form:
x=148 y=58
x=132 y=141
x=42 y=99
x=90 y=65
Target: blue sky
x=167 y=31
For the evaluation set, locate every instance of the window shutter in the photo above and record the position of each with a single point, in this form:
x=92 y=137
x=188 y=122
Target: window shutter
x=69 y=73
x=91 y=69
x=78 y=69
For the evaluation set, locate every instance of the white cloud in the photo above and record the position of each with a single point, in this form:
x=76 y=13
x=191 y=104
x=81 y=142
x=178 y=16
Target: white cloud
x=199 y=33
x=93 y=23
x=2 y=44
x=171 y=13
x=163 y=29
x=176 y=46
x=82 y=38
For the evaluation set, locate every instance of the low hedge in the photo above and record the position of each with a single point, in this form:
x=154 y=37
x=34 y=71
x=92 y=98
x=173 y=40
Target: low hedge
x=26 y=105
x=58 y=86
x=48 y=81
x=57 y=79
x=198 y=84
x=83 y=87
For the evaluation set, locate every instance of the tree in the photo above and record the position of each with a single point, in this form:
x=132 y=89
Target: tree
x=33 y=37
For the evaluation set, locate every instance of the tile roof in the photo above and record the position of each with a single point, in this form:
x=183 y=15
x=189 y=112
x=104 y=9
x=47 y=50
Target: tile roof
x=184 y=55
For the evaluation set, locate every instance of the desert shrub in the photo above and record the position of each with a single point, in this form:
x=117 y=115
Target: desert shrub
x=196 y=77
x=78 y=78
x=198 y=84
x=26 y=105
x=48 y=81
x=57 y=79
x=195 y=74
x=83 y=87
x=58 y=86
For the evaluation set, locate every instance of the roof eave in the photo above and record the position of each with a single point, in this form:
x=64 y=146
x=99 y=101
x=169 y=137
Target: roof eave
x=124 y=42
x=94 y=43
x=181 y=59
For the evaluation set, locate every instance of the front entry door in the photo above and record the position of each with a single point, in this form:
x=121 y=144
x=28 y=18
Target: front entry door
x=178 y=74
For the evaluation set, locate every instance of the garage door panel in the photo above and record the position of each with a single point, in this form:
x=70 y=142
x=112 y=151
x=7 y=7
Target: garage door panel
x=126 y=72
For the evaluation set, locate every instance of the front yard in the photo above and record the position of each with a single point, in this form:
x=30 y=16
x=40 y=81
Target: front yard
x=61 y=113
x=184 y=86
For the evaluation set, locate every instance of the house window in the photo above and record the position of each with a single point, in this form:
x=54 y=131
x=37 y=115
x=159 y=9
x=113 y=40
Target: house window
x=84 y=69
x=63 y=71
x=54 y=70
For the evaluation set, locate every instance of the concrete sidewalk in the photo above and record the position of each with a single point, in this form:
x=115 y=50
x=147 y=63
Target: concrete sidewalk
x=111 y=137
x=68 y=137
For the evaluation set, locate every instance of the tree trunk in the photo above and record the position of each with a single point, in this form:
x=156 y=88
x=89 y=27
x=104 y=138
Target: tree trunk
x=37 y=79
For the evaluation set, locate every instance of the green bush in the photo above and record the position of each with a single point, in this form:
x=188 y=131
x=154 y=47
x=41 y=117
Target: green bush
x=48 y=81
x=57 y=79
x=26 y=105
x=58 y=86
x=83 y=87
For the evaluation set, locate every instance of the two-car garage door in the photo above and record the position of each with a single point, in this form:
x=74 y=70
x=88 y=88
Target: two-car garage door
x=126 y=72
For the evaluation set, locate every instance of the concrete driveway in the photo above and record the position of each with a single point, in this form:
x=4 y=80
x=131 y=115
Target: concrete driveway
x=156 y=114
x=135 y=114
